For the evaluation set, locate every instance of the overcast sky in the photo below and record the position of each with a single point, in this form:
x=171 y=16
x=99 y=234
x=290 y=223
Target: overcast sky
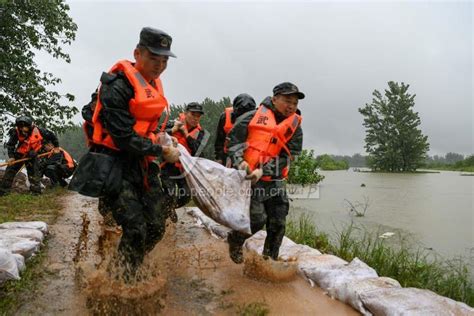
x=336 y=53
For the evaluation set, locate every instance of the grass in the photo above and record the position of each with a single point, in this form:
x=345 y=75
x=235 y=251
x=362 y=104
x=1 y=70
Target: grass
x=391 y=258
x=253 y=309
x=26 y=207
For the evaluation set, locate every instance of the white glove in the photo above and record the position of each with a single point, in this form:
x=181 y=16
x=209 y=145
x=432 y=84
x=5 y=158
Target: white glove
x=255 y=175
x=170 y=154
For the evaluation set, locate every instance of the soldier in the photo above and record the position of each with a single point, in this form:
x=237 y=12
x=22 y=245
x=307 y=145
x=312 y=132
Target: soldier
x=121 y=128
x=57 y=166
x=263 y=142
x=243 y=103
x=26 y=141
x=189 y=133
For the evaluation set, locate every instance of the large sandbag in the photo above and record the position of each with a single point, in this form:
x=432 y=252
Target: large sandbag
x=412 y=301
x=8 y=266
x=350 y=292
x=20 y=261
x=42 y=226
x=24 y=233
x=23 y=246
x=332 y=277
x=221 y=193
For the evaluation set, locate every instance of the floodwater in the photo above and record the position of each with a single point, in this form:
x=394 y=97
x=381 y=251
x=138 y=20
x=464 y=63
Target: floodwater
x=435 y=209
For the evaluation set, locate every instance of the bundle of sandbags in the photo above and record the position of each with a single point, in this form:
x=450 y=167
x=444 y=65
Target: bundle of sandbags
x=18 y=241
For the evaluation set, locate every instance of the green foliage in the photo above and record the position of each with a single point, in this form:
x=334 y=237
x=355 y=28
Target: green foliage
x=209 y=120
x=411 y=267
x=393 y=138
x=303 y=169
x=327 y=162
x=27 y=27
x=459 y=165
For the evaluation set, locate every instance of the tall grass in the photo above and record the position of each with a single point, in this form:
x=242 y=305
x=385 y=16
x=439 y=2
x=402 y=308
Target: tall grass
x=395 y=258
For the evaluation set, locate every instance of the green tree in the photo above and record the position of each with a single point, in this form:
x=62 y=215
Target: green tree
x=393 y=139
x=26 y=28
x=303 y=169
x=326 y=162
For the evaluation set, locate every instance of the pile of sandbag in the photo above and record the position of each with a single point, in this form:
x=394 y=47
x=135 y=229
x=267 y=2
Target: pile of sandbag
x=18 y=242
x=354 y=283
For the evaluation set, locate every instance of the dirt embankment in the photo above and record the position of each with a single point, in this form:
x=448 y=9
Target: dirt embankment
x=189 y=273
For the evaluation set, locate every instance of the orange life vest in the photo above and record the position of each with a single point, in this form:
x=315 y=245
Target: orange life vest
x=227 y=127
x=180 y=136
x=33 y=142
x=228 y=120
x=146 y=107
x=67 y=156
x=266 y=138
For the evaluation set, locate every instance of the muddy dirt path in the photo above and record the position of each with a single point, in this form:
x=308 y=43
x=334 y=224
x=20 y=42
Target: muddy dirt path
x=200 y=277
x=72 y=238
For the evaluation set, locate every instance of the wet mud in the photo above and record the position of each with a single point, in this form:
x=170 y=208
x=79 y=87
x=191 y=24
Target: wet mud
x=187 y=273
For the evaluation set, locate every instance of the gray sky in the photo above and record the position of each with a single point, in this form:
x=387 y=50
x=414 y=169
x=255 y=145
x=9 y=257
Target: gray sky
x=336 y=53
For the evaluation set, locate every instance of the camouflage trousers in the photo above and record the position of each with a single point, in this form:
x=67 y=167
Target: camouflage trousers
x=141 y=214
x=34 y=176
x=268 y=207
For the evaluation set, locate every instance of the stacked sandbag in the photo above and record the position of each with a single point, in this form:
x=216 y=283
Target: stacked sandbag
x=18 y=241
x=9 y=268
x=350 y=292
x=411 y=301
x=354 y=283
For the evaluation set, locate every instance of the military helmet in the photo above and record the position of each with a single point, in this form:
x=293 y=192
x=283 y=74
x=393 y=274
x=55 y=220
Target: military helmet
x=24 y=121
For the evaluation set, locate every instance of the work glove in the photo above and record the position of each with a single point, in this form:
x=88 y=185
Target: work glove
x=170 y=154
x=32 y=154
x=255 y=175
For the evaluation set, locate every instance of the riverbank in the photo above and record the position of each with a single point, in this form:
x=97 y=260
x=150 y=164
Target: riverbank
x=390 y=256
x=27 y=207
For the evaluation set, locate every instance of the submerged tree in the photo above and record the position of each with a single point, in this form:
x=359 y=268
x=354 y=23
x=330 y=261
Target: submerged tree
x=393 y=138
x=26 y=28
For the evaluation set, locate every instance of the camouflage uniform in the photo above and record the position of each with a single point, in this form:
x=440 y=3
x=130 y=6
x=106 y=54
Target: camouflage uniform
x=56 y=169
x=32 y=166
x=269 y=202
x=140 y=205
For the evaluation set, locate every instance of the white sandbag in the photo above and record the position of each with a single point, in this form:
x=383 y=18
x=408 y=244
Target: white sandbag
x=350 y=292
x=24 y=233
x=333 y=277
x=221 y=193
x=42 y=226
x=412 y=301
x=8 y=266
x=215 y=229
x=23 y=246
x=20 y=261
